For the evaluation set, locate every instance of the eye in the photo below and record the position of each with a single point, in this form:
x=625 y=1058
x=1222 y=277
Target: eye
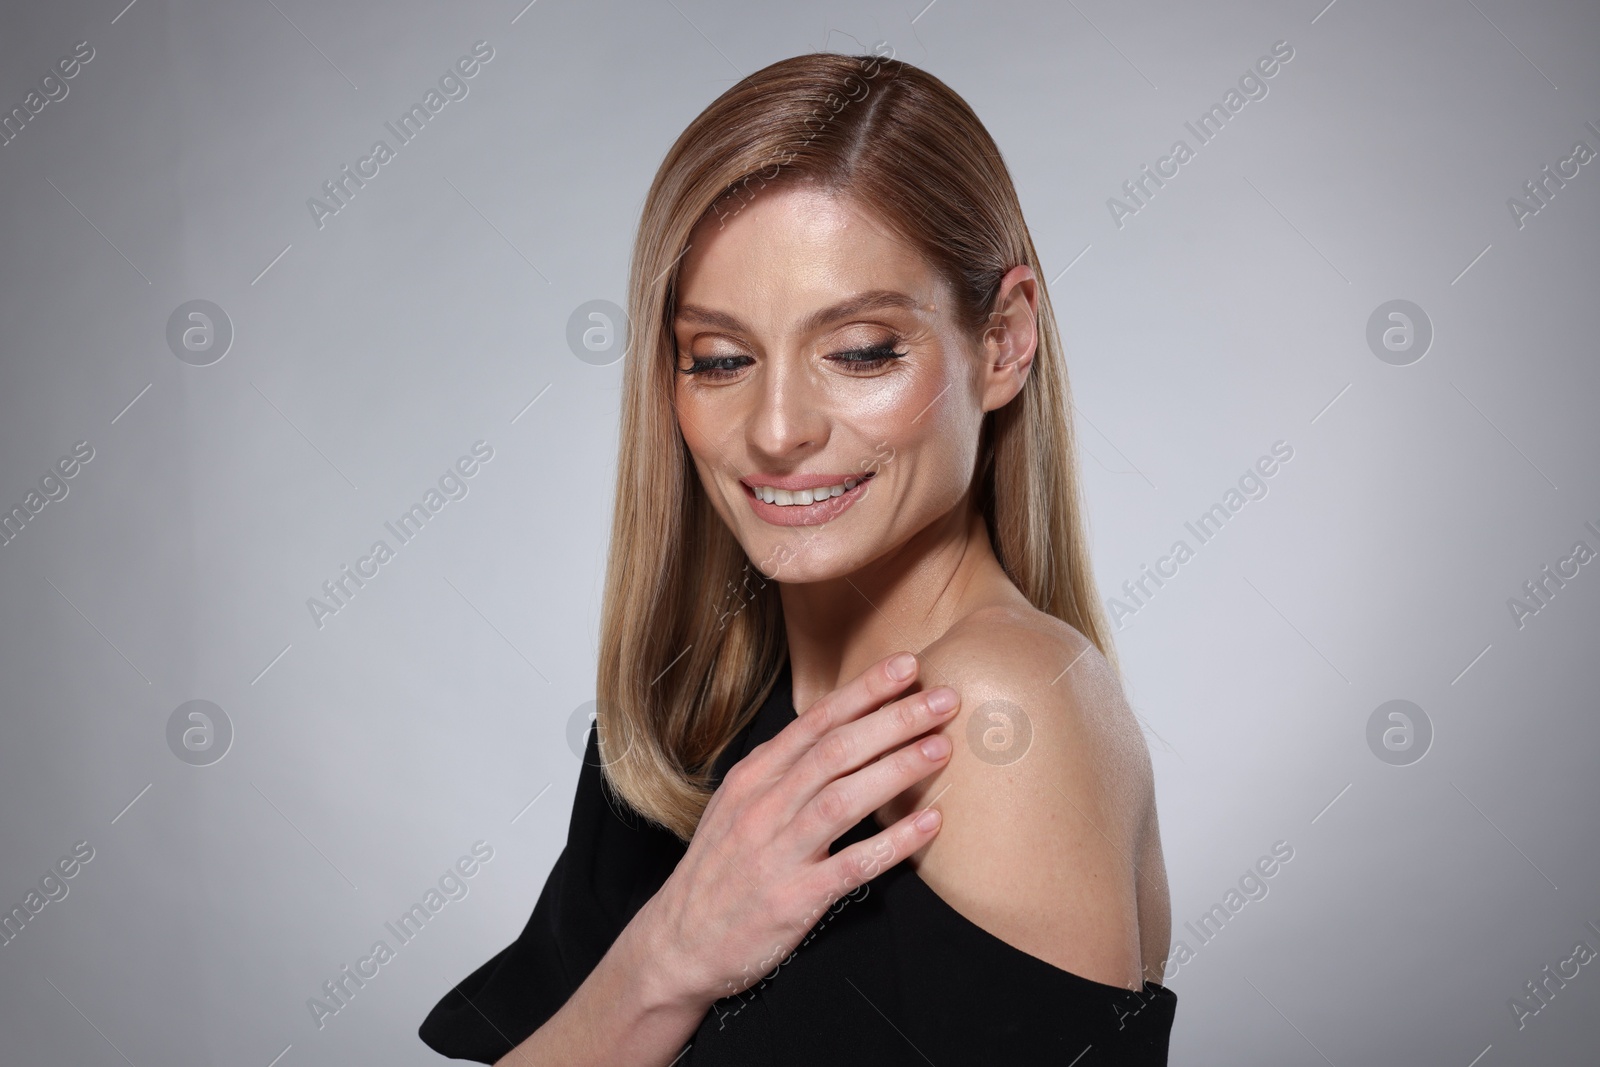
x=869 y=358
x=715 y=368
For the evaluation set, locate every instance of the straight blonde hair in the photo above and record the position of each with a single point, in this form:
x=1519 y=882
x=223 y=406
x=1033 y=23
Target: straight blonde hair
x=691 y=634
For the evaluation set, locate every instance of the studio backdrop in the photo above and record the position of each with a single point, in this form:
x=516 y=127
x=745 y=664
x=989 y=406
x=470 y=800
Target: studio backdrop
x=309 y=385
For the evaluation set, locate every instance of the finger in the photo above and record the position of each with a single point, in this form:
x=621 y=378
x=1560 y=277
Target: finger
x=866 y=691
x=844 y=802
x=856 y=744
x=865 y=860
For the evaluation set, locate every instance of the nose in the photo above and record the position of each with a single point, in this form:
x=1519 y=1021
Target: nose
x=789 y=414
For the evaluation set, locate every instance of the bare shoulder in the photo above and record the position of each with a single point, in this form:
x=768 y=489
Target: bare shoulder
x=1048 y=797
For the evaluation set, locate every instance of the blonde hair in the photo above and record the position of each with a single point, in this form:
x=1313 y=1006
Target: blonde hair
x=691 y=636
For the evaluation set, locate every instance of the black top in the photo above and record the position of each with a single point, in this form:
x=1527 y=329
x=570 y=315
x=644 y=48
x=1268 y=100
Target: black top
x=890 y=975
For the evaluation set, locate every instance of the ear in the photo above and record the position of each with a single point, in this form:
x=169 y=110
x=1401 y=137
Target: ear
x=1011 y=337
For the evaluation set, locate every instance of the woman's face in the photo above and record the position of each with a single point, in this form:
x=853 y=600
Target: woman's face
x=825 y=358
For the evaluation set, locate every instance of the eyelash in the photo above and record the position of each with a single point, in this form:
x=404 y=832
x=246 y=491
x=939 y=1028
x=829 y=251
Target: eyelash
x=868 y=358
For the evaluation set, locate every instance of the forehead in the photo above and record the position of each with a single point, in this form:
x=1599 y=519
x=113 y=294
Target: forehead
x=788 y=249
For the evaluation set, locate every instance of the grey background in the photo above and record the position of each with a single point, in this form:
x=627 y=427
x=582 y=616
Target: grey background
x=1229 y=313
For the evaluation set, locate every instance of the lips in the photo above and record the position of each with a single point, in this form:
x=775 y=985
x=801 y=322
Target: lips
x=843 y=491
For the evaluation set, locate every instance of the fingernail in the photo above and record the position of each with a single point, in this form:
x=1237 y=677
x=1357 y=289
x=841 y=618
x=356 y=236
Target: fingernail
x=901 y=666
x=928 y=819
x=943 y=699
x=936 y=747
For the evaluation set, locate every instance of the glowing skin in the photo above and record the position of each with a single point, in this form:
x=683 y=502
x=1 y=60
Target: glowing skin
x=784 y=402
x=788 y=408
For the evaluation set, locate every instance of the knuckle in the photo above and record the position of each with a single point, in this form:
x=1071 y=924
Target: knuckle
x=832 y=804
x=737 y=780
x=843 y=873
x=908 y=714
x=815 y=720
x=833 y=751
x=751 y=821
x=874 y=860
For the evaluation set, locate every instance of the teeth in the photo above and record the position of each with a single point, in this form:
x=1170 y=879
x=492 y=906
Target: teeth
x=786 y=498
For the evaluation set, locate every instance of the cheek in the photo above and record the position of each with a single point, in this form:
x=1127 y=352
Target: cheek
x=917 y=413
x=698 y=422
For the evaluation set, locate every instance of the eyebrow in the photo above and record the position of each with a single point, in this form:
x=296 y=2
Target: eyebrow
x=871 y=300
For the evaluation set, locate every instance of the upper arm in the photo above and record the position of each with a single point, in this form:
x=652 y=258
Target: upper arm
x=1046 y=816
x=1155 y=902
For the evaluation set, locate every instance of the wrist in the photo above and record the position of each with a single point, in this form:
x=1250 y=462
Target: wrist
x=660 y=978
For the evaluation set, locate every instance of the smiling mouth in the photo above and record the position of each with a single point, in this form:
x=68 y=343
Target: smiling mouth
x=792 y=511
x=786 y=498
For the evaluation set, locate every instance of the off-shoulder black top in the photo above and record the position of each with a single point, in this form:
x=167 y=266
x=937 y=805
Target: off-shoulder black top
x=891 y=974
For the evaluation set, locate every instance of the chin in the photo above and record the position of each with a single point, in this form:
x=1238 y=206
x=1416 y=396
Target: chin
x=800 y=564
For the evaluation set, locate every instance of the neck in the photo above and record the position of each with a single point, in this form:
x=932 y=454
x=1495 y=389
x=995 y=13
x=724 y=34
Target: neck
x=906 y=599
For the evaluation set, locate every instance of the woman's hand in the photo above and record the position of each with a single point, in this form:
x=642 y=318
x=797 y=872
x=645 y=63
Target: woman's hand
x=757 y=873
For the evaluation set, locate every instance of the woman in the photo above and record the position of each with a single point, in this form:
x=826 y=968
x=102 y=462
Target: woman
x=949 y=857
